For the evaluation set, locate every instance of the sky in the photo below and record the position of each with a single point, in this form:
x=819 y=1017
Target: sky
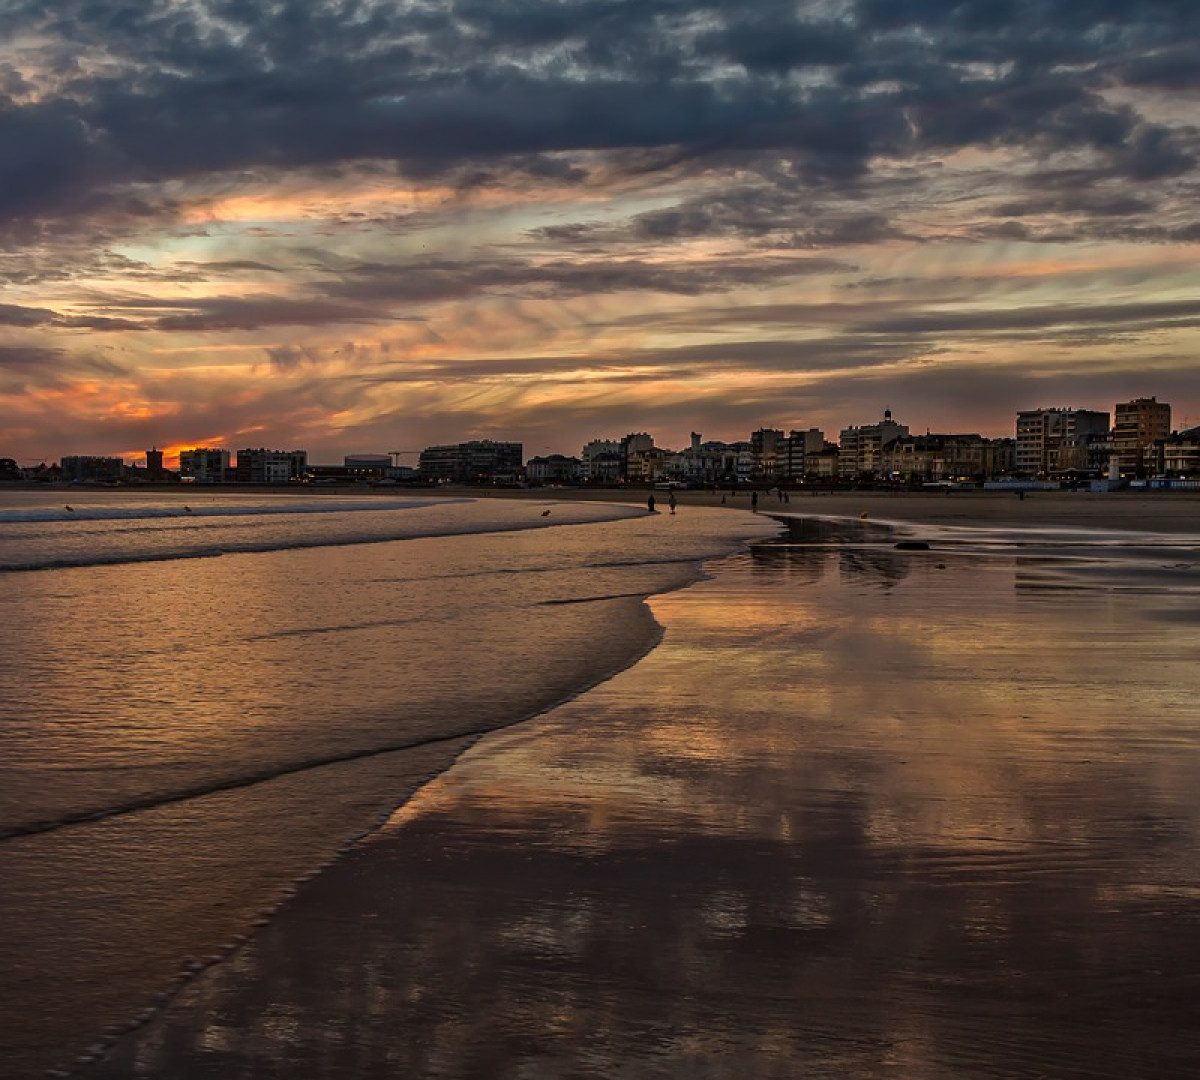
x=353 y=226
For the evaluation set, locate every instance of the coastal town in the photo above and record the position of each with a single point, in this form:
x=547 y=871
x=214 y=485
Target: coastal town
x=1050 y=448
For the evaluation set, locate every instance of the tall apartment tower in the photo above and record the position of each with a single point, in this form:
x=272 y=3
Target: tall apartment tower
x=1138 y=424
x=1053 y=442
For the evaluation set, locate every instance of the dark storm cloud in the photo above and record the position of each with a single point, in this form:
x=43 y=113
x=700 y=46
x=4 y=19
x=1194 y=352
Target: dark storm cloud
x=16 y=315
x=827 y=354
x=189 y=90
x=1147 y=315
x=24 y=367
x=368 y=292
x=777 y=215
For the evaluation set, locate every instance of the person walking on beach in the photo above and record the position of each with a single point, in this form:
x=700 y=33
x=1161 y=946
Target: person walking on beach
x=754 y=501
x=671 y=501
x=650 y=504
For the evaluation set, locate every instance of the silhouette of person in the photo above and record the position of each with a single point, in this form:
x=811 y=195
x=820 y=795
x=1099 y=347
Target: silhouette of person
x=650 y=504
x=754 y=501
x=671 y=501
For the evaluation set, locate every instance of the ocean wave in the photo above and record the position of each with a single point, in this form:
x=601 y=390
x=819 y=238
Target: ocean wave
x=74 y=559
x=84 y=512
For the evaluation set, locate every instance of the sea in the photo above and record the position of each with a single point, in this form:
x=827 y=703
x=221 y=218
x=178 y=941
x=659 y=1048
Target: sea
x=363 y=788
x=205 y=698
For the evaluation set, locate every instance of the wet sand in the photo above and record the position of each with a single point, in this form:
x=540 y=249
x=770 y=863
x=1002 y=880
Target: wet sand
x=1166 y=511
x=864 y=813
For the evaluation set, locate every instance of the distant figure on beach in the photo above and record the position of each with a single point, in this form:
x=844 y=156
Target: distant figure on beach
x=1020 y=496
x=754 y=501
x=722 y=500
x=545 y=513
x=671 y=501
x=650 y=504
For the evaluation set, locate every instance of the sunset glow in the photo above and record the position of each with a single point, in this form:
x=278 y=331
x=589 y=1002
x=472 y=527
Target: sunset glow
x=357 y=226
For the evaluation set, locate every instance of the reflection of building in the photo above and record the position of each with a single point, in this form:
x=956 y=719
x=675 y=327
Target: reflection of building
x=1137 y=425
x=1054 y=442
x=203 y=465
x=89 y=467
x=480 y=461
x=553 y=469
x=860 y=449
x=264 y=466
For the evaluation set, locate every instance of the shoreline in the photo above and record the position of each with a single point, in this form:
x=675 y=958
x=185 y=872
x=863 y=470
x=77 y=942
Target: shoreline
x=1164 y=511
x=387 y=777
x=661 y=871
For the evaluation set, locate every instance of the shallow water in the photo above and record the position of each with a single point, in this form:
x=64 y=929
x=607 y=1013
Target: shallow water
x=186 y=738
x=47 y=530
x=863 y=813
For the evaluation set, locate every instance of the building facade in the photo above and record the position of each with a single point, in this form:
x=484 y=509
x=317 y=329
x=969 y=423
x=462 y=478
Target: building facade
x=1060 y=442
x=368 y=466
x=553 y=469
x=203 y=465
x=91 y=468
x=597 y=461
x=797 y=448
x=1181 y=453
x=932 y=457
x=1137 y=425
x=860 y=449
x=480 y=461
x=263 y=466
x=769 y=448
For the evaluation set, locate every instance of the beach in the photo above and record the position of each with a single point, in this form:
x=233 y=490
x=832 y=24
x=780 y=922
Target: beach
x=826 y=809
x=204 y=703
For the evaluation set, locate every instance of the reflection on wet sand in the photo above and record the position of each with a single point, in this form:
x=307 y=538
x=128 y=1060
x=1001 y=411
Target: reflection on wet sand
x=864 y=813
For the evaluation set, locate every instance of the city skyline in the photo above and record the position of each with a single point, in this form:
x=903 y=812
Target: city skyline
x=323 y=224
x=172 y=450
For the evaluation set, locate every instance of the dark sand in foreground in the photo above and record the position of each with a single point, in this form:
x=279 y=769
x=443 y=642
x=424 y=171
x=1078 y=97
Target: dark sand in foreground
x=863 y=814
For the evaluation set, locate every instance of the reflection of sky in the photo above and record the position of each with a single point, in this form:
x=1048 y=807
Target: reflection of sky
x=946 y=835
x=274 y=225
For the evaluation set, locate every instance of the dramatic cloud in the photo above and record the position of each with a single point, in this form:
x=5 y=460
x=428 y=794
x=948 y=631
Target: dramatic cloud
x=336 y=220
